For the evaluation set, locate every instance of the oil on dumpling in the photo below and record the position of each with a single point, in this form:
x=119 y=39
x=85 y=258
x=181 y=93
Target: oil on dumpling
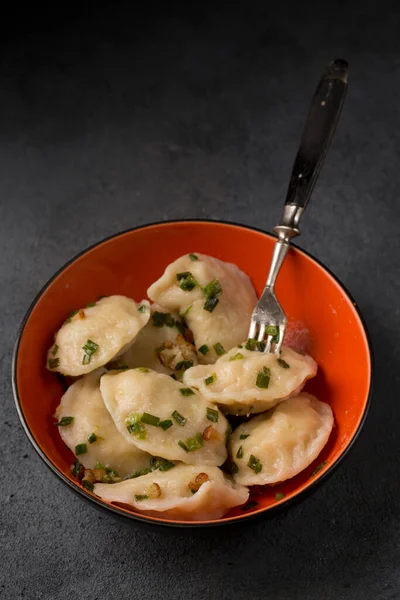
x=97 y=334
x=282 y=442
x=91 y=434
x=187 y=493
x=216 y=299
x=161 y=345
x=161 y=416
x=248 y=382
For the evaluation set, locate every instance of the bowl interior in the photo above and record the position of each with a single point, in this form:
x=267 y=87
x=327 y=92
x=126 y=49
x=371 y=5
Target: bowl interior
x=323 y=321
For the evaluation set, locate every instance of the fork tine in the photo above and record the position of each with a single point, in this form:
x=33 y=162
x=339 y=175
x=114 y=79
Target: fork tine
x=268 y=344
x=261 y=332
x=252 y=330
x=282 y=329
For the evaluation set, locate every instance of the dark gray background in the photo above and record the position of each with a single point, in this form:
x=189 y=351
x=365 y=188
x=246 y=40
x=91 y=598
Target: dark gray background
x=111 y=118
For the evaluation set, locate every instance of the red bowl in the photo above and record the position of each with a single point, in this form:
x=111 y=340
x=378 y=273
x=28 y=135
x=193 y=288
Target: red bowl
x=323 y=318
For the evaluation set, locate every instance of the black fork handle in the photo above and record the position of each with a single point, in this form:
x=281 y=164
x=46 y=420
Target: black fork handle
x=320 y=126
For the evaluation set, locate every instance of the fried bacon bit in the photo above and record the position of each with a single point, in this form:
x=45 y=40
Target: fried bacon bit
x=99 y=473
x=195 y=485
x=210 y=433
x=81 y=313
x=153 y=491
x=89 y=476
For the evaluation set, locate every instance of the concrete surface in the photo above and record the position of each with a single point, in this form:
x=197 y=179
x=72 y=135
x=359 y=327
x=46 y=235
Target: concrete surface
x=110 y=118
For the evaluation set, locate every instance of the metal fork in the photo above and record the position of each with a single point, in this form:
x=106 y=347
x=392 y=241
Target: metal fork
x=268 y=318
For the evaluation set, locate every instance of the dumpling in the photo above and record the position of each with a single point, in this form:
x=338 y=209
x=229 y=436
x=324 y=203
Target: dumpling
x=247 y=382
x=92 y=430
x=277 y=445
x=215 y=297
x=187 y=493
x=161 y=416
x=160 y=345
x=95 y=335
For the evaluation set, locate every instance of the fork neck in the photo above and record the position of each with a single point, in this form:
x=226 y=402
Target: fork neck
x=286 y=230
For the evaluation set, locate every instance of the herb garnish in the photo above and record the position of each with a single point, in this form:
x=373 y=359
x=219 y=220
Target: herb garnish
x=80 y=449
x=237 y=356
x=183 y=365
x=219 y=349
x=282 y=363
x=140 y=497
x=150 y=419
x=64 y=421
x=255 y=464
x=279 y=496
x=239 y=453
x=134 y=426
x=243 y=436
x=179 y=418
x=92 y=438
x=209 y=380
x=193 y=257
x=317 y=469
x=204 y=349
x=212 y=415
x=165 y=424
x=192 y=444
x=89 y=348
x=142 y=308
x=160 y=319
x=54 y=363
x=186 y=281
x=88 y=485
x=263 y=378
x=186 y=391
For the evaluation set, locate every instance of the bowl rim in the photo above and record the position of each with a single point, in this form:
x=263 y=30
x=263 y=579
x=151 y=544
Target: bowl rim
x=155 y=521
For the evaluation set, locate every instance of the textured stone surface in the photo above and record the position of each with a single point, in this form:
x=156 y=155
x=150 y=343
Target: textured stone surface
x=111 y=119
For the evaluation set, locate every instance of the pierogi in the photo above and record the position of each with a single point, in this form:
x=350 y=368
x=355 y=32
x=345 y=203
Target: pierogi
x=93 y=336
x=187 y=492
x=247 y=382
x=282 y=442
x=163 y=417
x=215 y=298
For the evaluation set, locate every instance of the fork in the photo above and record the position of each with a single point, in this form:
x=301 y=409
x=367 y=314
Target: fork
x=268 y=318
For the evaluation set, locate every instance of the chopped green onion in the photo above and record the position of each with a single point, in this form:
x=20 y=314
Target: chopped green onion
x=121 y=368
x=279 y=496
x=178 y=418
x=186 y=311
x=255 y=464
x=138 y=473
x=160 y=319
x=186 y=391
x=212 y=415
x=317 y=469
x=165 y=424
x=108 y=470
x=204 y=349
x=134 y=426
x=210 y=304
x=64 y=421
x=80 y=449
x=142 y=369
x=77 y=469
x=142 y=308
x=244 y=436
x=166 y=466
x=54 y=363
x=249 y=504
x=239 y=453
x=150 y=419
x=92 y=438
x=55 y=350
x=193 y=257
x=209 y=380
x=88 y=485
x=140 y=497
x=240 y=345
x=183 y=365
x=91 y=304
x=186 y=281
x=195 y=443
x=89 y=348
x=212 y=289
x=253 y=345
x=274 y=331
x=70 y=316
x=263 y=378
x=237 y=356
x=183 y=446
x=219 y=349
x=282 y=363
